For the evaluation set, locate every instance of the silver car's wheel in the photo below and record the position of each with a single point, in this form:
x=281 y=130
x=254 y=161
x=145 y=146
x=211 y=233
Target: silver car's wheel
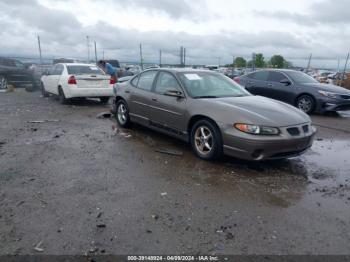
x=206 y=140
x=306 y=103
x=3 y=82
x=203 y=140
x=123 y=117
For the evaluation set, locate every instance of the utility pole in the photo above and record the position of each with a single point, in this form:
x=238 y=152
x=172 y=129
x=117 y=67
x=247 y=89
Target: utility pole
x=88 y=48
x=141 y=59
x=309 y=63
x=160 y=58
x=346 y=64
x=103 y=54
x=181 y=55
x=184 y=57
x=95 y=52
x=41 y=61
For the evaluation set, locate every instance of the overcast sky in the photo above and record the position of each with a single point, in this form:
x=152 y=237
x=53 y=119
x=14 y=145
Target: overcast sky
x=207 y=28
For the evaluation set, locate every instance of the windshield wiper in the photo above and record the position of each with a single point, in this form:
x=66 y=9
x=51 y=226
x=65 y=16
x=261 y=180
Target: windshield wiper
x=205 y=97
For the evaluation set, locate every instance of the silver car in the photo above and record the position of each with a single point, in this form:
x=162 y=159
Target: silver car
x=213 y=113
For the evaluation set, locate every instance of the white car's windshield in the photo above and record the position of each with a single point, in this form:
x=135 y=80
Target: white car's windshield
x=210 y=85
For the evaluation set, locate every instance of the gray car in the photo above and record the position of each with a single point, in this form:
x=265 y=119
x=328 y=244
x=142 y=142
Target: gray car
x=298 y=89
x=214 y=114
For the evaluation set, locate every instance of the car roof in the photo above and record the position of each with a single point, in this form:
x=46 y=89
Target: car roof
x=181 y=70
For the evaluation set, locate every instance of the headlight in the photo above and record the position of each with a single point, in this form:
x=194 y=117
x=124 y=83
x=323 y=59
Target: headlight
x=257 y=130
x=328 y=94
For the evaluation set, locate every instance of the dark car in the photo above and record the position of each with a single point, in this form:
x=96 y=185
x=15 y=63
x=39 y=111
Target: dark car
x=14 y=72
x=213 y=113
x=298 y=89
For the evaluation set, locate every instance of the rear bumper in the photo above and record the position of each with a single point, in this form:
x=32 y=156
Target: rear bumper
x=258 y=148
x=88 y=92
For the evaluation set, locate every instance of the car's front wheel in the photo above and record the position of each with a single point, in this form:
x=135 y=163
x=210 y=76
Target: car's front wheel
x=306 y=103
x=206 y=140
x=122 y=114
x=43 y=91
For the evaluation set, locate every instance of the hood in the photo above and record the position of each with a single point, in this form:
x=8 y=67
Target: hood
x=259 y=110
x=328 y=88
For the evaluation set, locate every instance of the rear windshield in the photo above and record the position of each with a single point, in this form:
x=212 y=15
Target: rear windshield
x=82 y=70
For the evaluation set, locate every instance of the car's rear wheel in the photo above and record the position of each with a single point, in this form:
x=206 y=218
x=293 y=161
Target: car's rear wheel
x=122 y=114
x=3 y=82
x=104 y=100
x=43 y=91
x=206 y=140
x=61 y=97
x=306 y=103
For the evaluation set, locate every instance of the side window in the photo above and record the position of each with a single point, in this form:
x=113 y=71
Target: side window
x=166 y=82
x=52 y=70
x=134 y=81
x=276 y=76
x=58 y=69
x=146 y=80
x=260 y=75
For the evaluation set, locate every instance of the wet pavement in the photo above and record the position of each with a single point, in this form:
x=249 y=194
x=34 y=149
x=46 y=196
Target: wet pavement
x=82 y=185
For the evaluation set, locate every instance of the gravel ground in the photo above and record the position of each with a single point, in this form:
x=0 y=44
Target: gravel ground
x=78 y=187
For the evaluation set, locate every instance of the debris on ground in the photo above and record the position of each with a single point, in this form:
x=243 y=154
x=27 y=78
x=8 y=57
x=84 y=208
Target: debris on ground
x=101 y=225
x=155 y=217
x=104 y=115
x=163 y=194
x=43 y=121
x=38 y=247
x=99 y=215
x=2 y=143
x=10 y=88
x=169 y=151
x=119 y=132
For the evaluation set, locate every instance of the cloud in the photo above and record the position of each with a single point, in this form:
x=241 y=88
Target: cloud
x=327 y=12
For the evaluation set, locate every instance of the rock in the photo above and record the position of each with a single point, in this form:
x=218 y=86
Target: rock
x=101 y=225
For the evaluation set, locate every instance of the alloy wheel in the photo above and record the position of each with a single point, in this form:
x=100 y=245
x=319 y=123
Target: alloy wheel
x=122 y=114
x=203 y=140
x=305 y=104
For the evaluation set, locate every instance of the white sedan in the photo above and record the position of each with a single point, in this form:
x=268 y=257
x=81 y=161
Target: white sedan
x=73 y=80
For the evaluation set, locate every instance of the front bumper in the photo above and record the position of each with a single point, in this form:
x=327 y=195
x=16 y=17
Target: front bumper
x=257 y=148
x=328 y=104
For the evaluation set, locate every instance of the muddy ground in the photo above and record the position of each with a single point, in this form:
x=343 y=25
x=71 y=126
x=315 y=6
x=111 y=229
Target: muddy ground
x=77 y=186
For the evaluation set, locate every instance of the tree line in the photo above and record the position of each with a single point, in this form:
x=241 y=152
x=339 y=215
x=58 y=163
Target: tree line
x=276 y=61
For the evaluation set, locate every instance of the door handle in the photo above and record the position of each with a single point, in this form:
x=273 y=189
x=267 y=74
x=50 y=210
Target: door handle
x=154 y=99
x=127 y=91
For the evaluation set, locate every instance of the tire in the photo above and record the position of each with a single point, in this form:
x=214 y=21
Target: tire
x=306 y=103
x=43 y=91
x=122 y=114
x=3 y=82
x=104 y=100
x=206 y=141
x=61 y=97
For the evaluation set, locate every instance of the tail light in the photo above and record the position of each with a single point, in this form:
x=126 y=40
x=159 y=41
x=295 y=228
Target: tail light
x=112 y=81
x=236 y=79
x=72 y=80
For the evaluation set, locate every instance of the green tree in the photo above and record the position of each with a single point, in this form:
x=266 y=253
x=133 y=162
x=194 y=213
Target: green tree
x=240 y=62
x=277 y=61
x=259 y=60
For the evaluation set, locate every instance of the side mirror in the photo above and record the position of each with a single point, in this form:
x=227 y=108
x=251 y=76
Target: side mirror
x=285 y=82
x=174 y=93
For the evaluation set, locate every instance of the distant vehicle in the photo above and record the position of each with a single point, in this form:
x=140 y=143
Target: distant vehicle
x=72 y=80
x=212 y=67
x=14 y=72
x=214 y=114
x=298 y=89
x=63 y=60
x=323 y=76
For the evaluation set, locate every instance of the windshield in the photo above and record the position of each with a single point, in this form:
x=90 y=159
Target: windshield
x=82 y=70
x=210 y=85
x=301 y=78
